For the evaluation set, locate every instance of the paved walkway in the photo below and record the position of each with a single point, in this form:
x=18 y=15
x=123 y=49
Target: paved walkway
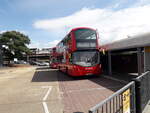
x=80 y=94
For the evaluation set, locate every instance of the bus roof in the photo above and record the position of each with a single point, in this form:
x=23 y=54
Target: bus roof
x=82 y=28
x=74 y=29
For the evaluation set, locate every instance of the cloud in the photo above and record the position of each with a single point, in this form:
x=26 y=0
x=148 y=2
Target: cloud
x=43 y=45
x=2 y=31
x=112 y=25
x=142 y=2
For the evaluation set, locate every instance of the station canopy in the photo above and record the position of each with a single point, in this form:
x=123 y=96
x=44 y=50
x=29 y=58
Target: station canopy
x=141 y=40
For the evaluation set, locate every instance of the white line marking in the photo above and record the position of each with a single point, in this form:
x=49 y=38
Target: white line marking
x=45 y=107
x=45 y=86
x=45 y=97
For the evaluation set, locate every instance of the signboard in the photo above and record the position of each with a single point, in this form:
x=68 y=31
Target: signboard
x=126 y=101
x=147 y=49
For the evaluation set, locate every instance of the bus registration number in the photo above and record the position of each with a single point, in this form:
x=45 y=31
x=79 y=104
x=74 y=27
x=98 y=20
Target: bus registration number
x=89 y=74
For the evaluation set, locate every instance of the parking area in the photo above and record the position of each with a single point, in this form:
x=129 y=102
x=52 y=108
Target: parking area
x=44 y=90
x=19 y=93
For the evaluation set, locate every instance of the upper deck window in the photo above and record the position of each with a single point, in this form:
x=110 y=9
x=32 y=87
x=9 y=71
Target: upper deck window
x=85 y=34
x=85 y=38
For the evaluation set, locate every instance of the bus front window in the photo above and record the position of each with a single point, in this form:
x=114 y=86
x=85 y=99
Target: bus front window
x=85 y=58
x=85 y=34
x=85 y=38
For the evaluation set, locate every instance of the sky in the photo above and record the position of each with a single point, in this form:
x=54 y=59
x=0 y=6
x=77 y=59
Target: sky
x=46 y=22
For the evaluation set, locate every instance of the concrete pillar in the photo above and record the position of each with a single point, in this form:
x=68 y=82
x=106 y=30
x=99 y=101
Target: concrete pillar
x=109 y=63
x=139 y=60
x=146 y=59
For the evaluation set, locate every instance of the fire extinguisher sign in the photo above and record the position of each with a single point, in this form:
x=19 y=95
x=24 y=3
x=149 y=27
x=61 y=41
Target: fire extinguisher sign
x=126 y=101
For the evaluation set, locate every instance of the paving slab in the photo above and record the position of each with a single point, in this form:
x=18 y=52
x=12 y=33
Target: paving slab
x=80 y=94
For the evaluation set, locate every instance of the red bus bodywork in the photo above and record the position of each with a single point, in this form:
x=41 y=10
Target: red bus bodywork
x=53 y=59
x=78 y=53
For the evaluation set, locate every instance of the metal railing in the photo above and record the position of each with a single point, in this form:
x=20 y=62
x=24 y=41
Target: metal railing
x=115 y=103
x=142 y=86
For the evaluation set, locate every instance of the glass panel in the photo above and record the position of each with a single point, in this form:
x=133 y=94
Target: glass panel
x=85 y=34
x=86 y=44
x=54 y=60
x=85 y=58
x=85 y=38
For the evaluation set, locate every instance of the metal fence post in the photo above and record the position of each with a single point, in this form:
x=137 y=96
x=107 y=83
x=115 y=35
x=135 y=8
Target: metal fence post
x=109 y=63
x=138 y=95
x=139 y=58
x=134 y=98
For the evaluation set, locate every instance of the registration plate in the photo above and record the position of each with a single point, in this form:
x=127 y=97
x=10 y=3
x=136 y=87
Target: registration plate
x=89 y=74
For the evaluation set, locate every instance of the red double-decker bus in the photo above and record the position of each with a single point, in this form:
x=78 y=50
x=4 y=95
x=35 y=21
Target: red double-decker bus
x=53 y=58
x=78 y=53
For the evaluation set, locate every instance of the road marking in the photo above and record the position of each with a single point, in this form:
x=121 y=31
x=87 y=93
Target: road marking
x=45 y=107
x=45 y=86
x=45 y=98
x=46 y=95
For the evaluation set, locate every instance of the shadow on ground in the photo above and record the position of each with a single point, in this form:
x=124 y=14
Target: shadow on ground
x=68 y=83
x=45 y=74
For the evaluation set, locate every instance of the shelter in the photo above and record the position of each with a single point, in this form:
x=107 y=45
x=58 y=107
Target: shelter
x=128 y=55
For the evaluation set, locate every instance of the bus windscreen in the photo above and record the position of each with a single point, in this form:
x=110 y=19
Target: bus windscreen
x=85 y=58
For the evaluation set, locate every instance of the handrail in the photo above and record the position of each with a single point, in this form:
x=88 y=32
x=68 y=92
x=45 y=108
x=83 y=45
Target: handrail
x=112 y=96
x=139 y=77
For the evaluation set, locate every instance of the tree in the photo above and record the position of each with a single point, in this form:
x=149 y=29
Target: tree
x=16 y=42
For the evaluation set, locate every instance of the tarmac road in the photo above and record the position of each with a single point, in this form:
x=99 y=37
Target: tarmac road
x=44 y=90
x=23 y=90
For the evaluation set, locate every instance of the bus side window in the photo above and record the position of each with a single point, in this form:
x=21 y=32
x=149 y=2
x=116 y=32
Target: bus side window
x=70 y=58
